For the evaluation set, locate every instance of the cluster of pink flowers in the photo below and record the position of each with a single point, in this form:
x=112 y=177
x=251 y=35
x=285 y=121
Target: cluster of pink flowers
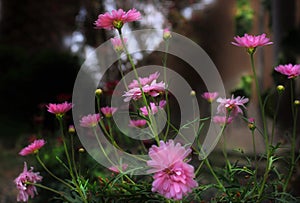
x=24 y=186
x=149 y=86
x=116 y=19
x=173 y=178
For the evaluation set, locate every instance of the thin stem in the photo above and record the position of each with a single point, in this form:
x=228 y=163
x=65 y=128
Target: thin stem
x=75 y=179
x=260 y=101
x=50 y=173
x=166 y=92
x=293 y=141
x=255 y=156
x=214 y=174
x=73 y=156
x=45 y=187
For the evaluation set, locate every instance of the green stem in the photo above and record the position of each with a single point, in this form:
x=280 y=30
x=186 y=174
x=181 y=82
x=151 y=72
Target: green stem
x=265 y=132
x=293 y=141
x=255 y=156
x=50 y=173
x=214 y=174
x=45 y=187
x=75 y=179
x=166 y=92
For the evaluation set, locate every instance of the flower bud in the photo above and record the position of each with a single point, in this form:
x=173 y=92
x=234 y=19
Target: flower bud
x=98 y=92
x=193 y=93
x=81 y=150
x=71 y=129
x=167 y=34
x=297 y=102
x=280 y=88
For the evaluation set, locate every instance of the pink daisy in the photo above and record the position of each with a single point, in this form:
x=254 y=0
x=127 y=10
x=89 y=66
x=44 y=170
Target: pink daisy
x=117 y=18
x=137 y=123
x=117 y=44
x=153 y=90
x=153 y=108
x=292 y=71
x=59 y=109
x=108 y=111
x=222 y=120
x=251 y=41
x=232 y=105
x=144 y=81
x=90 y=120
x=27 y=190
x=210 y=96
x=33 y=147
x=173 y=177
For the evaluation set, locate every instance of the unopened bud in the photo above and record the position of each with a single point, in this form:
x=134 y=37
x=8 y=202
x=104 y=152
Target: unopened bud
x=280 y=88
x=98 y=92
x=81 y=150
x=297 y=102
x=71 y=129
x=167 y=34
x=193 y=93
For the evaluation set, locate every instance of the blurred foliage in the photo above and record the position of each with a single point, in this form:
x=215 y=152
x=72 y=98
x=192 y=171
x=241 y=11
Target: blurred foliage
x=243 y=17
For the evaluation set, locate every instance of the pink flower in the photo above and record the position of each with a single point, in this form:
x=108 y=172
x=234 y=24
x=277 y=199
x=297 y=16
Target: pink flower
x=144 y=81
x=32 y=148
x=117 y=44
x=23 y=181
x=117 y=18
x=173 y=177
x=116 y=169
x=153 y=90
x=59 y=109
x=108 y=111
x=222 y=120
x=251 y=41
x=137 y=123
x=165 y=155
x=153 y=108
x=210 y=96
x=90 y=120
x=232 y=105
x=292 y=71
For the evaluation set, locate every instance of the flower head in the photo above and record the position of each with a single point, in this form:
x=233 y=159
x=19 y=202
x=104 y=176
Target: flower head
x=173 y=177
x=137 y=123
x=59 y=109
x=153 y=108
x=292 y=71
x=231 y=105
x=108 y=111
x=33 y=147
x=222 y=120
x=117 y=44
x=117 y=18
x=144 y=81
x=210 y=96
x=153 y=90
x=90 y=120
x=251 y=41
x=23 y=185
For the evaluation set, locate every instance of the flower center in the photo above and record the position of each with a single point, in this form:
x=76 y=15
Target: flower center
x=118 y=24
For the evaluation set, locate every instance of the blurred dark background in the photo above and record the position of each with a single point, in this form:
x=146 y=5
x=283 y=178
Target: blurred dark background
x=43 y=44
